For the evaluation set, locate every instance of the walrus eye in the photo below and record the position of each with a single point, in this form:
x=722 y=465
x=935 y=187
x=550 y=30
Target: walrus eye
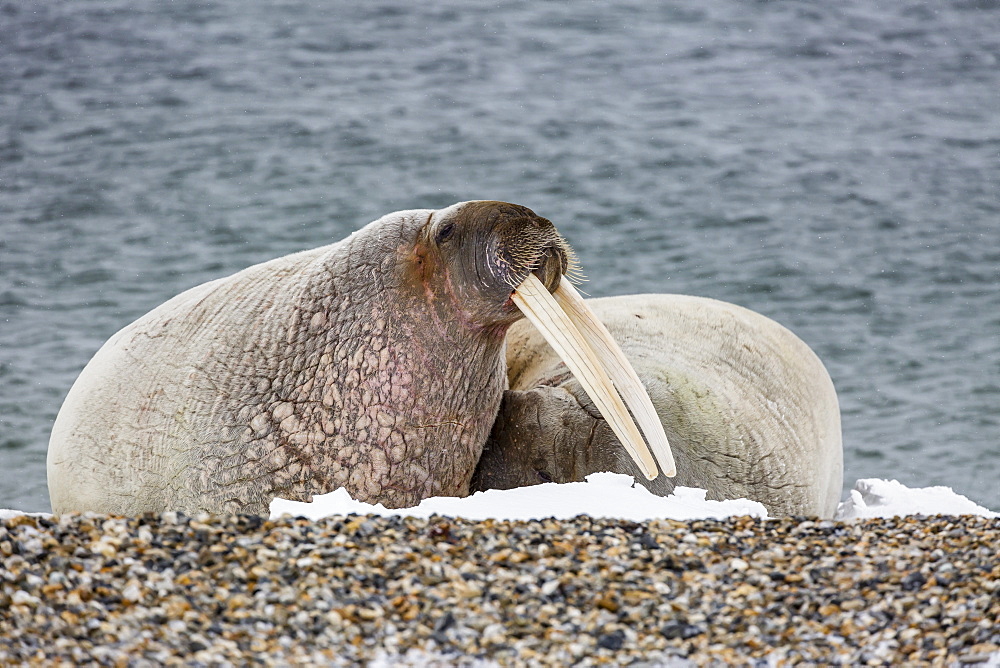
x=445 y=232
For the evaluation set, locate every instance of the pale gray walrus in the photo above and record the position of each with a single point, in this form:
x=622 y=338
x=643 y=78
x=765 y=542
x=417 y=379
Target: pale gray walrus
x=748 y=408
x=375 y=364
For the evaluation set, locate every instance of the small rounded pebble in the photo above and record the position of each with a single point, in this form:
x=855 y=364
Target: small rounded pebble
x=613 y=640
x=172 y=589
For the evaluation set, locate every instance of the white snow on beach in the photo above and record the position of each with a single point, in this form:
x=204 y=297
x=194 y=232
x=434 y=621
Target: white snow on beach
x=873 y=497
x=615 y=495
x=603 y=495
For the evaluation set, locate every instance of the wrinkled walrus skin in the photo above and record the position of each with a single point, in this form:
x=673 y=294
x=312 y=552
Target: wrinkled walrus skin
x=374 y=364
x=748 y=408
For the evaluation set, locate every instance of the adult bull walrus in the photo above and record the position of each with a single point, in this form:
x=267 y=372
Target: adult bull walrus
x=749 y=409
x=375 y=364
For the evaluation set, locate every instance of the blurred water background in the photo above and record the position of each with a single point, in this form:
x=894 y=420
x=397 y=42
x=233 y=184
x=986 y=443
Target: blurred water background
x=835 y=166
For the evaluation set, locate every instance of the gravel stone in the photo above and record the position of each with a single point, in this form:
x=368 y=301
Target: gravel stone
x=172 y=589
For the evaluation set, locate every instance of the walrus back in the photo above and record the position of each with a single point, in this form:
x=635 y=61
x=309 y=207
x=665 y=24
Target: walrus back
x=137 y=399
x=747 y=406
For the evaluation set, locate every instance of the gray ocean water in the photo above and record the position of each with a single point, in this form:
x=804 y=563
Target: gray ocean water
x=835 y=166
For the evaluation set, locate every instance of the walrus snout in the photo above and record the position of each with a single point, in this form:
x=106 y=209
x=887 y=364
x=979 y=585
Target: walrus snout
x=528 y=244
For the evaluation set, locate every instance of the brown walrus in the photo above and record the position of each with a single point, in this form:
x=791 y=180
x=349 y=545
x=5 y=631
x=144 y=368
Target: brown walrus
x=749 y=409
x=375 y=364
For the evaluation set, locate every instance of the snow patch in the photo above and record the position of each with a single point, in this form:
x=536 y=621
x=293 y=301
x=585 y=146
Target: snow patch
x=602 y=495
x=873 y=497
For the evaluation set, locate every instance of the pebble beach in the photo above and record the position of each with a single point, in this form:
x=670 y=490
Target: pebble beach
x=364 y=590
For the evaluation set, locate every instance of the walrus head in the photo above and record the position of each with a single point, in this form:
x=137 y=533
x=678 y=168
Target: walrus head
x=479 y=252
x=503 y=261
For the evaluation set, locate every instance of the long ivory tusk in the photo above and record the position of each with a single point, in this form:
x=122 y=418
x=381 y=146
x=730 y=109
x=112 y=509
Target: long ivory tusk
x=621 y=372
x=571 y=345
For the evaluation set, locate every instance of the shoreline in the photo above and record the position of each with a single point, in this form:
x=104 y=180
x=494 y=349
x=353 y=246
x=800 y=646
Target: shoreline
x=162 y=589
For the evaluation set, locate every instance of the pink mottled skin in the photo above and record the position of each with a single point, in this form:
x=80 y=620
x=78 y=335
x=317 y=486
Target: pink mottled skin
x=374 y=364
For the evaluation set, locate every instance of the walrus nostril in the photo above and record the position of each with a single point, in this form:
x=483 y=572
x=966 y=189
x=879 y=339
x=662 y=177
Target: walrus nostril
x=549 y=268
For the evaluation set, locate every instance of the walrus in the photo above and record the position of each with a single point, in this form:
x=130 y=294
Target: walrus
x=749 y=410
x=375 y=364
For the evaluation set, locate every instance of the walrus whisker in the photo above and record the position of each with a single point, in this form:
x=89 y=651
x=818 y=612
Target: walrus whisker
x=565 y=337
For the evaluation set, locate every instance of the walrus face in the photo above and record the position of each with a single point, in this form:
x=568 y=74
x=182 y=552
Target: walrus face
x=487 y=249
x=501 y=261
